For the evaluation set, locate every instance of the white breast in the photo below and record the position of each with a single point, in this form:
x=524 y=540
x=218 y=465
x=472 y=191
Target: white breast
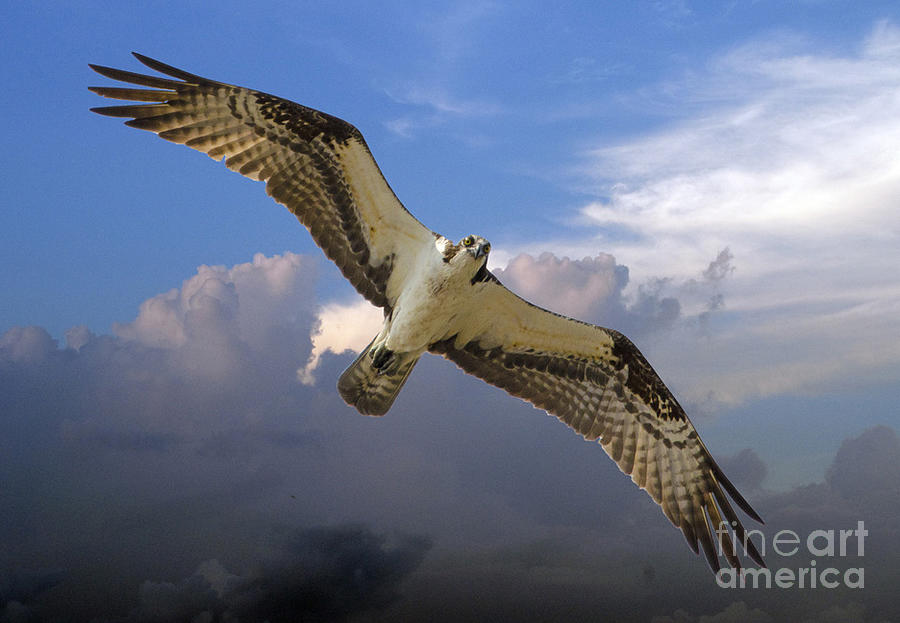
x=430 y=303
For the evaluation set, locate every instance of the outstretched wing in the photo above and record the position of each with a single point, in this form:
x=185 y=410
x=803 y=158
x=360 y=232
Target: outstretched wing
x=316 y=165
x=596 y=381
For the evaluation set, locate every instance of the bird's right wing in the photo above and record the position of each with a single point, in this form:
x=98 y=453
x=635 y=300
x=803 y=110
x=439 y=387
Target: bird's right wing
x=316 y=165
x=596 y=381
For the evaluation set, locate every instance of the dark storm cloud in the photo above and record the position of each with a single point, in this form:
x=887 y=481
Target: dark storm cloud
x=649 y=574
x=319 y=574
x=737 y=612
x=185 y=437
x=745 y=469
x=18 y=592
x=858 y=471
x=740 y=612
x=124 y=448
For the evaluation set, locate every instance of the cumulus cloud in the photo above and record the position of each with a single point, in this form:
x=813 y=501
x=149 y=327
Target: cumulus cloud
x=341 y=327
x=678 y=322
x=594 y=289
x=224 y=333
x=587 y=288
x=247 y=302
x=140 y=455
x=26 y=344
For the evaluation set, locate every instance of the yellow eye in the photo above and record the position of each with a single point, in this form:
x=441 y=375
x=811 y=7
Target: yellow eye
x=468 y=241
x=487 y=247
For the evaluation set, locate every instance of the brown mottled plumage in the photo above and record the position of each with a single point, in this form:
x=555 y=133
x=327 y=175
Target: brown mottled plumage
x=440 y=296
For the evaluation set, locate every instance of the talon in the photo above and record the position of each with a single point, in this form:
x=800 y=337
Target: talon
x=382 y=357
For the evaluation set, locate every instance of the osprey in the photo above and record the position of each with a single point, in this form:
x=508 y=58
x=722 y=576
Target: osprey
x=438 y=296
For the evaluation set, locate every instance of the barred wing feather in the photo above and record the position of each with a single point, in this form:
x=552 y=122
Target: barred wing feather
x=316 y=165
x=598 y=383
x=593 y=379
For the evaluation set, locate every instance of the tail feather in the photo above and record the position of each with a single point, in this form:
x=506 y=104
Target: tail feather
x=371 y=390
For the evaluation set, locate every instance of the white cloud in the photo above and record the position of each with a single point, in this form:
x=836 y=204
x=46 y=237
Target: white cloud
x=244 y=301
x=791 y=160
x=341 y=327
x=801 y=153
x=578 y=288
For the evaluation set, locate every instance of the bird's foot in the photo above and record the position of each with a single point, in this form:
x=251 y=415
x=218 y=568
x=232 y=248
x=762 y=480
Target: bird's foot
x=382 y=358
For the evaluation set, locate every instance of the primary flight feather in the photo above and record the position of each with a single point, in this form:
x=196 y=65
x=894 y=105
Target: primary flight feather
x=439 y=296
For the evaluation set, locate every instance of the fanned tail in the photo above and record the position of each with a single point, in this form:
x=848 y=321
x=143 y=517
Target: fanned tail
x=372 y=382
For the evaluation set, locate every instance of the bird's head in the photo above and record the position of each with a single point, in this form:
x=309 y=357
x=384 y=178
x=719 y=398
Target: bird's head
x=470 y=257
x=475 y=248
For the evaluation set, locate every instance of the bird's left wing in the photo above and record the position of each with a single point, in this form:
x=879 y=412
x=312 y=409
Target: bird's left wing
x=316 y=165
x=596 y=381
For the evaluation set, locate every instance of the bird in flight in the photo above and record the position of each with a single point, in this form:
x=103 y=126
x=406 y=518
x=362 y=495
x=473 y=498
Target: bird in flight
x=438 y=295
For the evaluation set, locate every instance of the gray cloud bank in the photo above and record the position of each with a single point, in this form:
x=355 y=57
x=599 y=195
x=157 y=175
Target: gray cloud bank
x=324 y=574
x=177 y=470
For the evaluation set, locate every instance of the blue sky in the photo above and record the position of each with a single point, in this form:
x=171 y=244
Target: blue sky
x=734 y=162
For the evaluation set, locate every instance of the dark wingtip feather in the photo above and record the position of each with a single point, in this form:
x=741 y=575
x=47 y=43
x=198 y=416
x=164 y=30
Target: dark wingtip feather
x=112 y=111
x=132 y=110
x=169 y=70
x=690 y=536
x=103 y=70
x=723 y=538
x=739 y=531
x=135 y=95
x=727 y=547
x=742 y=503
x=129 y=76
x=711 y=559
x=705 y=536
x=755 y=555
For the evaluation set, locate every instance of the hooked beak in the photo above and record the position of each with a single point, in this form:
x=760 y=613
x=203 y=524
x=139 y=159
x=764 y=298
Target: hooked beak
x=479 y=250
